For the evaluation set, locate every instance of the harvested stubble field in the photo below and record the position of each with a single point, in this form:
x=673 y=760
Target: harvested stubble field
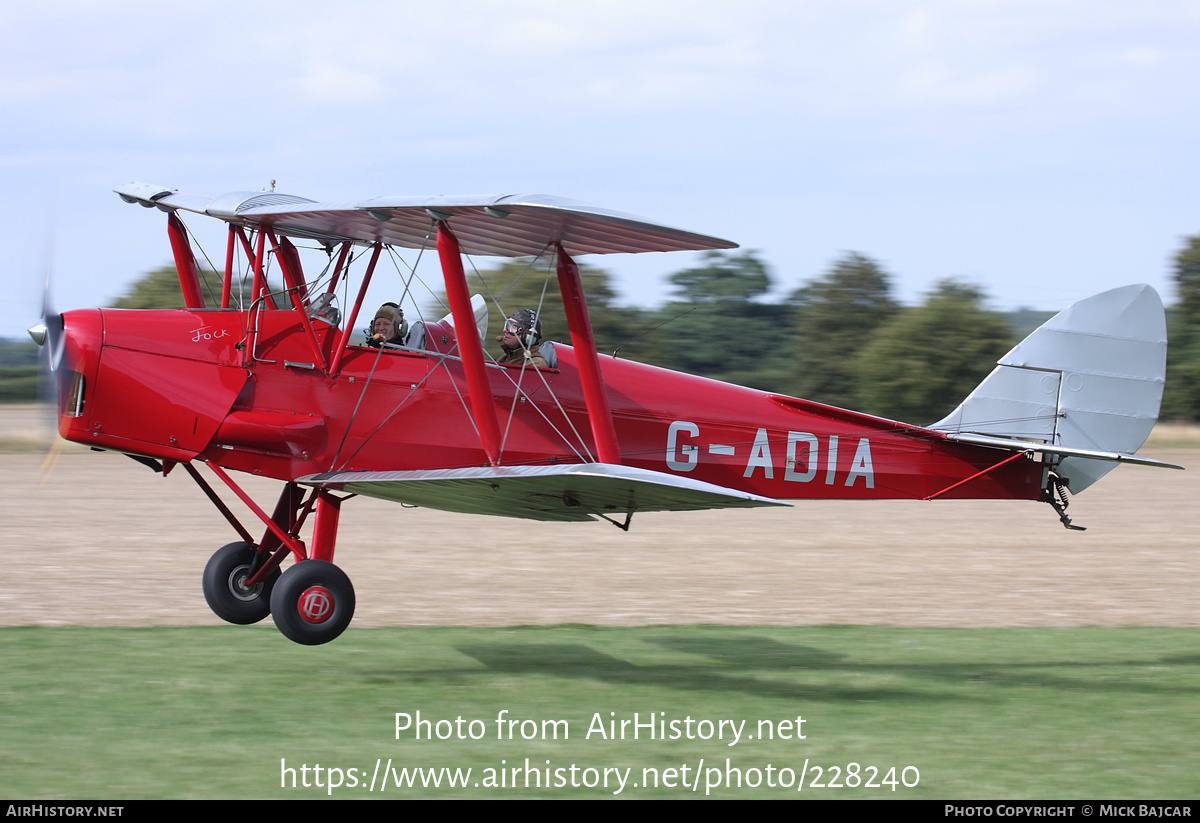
x=104 y=541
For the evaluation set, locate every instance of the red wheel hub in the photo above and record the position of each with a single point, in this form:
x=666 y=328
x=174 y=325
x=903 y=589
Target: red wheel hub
x=316 y=604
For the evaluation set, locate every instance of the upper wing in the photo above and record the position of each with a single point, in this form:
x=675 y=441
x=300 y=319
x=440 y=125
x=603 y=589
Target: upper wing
x=499 y=225
x=564 y=492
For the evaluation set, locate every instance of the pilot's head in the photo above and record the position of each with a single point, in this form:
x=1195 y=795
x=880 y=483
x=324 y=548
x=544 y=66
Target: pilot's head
x=387 y=319
x=522 y=328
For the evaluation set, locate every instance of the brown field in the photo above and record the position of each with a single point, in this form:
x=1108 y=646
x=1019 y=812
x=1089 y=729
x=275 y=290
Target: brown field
x=105 y=541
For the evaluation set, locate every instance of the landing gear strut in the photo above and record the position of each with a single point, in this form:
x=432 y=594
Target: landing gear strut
x=313 y=601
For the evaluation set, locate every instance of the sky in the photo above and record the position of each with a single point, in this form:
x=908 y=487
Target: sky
x=1043 y=149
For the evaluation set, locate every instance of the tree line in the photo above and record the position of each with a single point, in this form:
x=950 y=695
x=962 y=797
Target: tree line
x=842 y=338
x=1181 y=398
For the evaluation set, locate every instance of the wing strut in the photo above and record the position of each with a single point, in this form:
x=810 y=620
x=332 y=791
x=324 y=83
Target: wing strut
x=259 y=290
x=227 y=282
x=335 y=367
x=293 y=278
x=185 y=264
x=575 y=307
x=469 y=345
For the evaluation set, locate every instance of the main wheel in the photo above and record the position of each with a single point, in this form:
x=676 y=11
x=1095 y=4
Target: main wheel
x=225 y=589
x=313 y=602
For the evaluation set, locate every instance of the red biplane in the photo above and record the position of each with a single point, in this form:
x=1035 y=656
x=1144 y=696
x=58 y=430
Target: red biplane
x=276 y=384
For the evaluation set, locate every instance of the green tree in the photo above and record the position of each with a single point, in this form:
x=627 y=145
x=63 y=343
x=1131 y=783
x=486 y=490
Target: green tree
x=159 y=289
x=723 y=278
x=1181 y=396
x=1187 y=280
x=834 y=317
x=923 y=362
x=18 y=371
x=718 y=327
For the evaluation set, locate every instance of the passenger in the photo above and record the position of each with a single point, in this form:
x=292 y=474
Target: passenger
x=522 y=339
x=388 y=326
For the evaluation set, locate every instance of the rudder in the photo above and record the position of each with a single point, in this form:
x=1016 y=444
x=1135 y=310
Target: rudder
x=1091 y=377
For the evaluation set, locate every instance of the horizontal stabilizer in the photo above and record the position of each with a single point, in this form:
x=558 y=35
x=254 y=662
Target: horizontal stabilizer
x=561 y=492
x=1061 y=451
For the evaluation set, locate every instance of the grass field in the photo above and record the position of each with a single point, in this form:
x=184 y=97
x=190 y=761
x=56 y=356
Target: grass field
x=220 y=712
x=991 y=651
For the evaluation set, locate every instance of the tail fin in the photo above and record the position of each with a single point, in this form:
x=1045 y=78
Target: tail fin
x=1090 y=378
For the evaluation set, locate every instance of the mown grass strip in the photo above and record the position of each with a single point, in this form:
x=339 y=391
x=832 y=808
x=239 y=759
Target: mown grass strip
x=225 y=712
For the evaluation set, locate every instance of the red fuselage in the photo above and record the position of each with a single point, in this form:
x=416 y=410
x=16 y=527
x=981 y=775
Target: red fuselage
x=185 y=384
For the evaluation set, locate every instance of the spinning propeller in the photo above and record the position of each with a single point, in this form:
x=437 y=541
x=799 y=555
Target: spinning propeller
x=48 y=333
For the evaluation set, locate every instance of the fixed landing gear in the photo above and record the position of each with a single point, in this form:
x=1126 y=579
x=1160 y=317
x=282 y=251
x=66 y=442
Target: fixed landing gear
x=225 y=589
x=313 y=602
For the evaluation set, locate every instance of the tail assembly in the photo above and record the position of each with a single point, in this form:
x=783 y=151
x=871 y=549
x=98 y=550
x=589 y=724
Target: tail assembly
x=1084 y=390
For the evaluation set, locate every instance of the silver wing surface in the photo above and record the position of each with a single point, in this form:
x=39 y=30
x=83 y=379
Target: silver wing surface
x=514 y=225
x=563 y=493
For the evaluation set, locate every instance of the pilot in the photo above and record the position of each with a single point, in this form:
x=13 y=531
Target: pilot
x=522 y=339
x=389 y=326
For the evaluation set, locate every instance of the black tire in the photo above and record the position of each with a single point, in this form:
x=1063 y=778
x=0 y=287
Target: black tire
x=230 y=600
x=313 y=602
